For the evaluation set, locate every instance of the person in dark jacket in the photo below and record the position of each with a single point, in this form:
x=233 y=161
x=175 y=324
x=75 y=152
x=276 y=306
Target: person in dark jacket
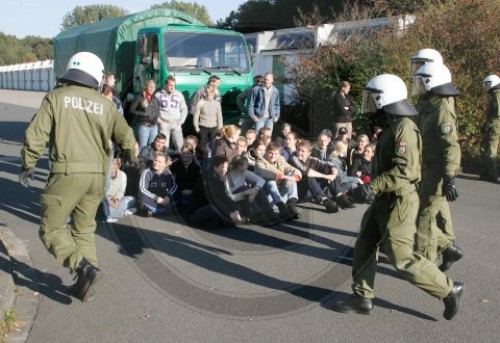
x=186 y=170
x=157 y=187
x=145 y=111
x=343 y=109
x=226 y=145
x=211 y=207
x=362 y=164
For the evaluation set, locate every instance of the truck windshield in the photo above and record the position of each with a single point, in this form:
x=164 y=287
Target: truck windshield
x=205 y=52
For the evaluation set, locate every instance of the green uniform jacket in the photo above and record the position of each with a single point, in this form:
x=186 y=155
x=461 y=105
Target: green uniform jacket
x=397 y=161
x=492 y=123
x=437 y=124
x=78 y=123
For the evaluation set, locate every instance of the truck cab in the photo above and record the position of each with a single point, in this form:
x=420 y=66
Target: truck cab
x=192 y=54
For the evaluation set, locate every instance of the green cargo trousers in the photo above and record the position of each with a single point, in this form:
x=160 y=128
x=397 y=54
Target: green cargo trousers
x=78 y=195
x=489 y=149
x=390 y=222
x=434 y=226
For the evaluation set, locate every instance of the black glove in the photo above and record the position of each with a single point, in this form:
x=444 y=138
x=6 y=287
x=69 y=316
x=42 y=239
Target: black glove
x=449 y=189
x=25 y=175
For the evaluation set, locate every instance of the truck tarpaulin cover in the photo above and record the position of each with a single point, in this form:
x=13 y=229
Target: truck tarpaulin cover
x=113 y=40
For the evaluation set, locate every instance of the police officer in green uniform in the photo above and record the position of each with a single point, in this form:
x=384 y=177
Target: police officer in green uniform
x=445 y=234
x=78 y=123
x=491 y=130
x=440 y=163
x=390 y=220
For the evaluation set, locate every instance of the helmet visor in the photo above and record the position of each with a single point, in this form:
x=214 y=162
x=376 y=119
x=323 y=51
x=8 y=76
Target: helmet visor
x=417 y=86
x=415 y=65
x=368 y=105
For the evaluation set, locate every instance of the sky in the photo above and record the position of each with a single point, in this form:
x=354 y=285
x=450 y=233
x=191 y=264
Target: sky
x=43 y=18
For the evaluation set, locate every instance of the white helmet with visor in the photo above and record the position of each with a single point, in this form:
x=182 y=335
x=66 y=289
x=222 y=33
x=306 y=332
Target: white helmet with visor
x=387 y=92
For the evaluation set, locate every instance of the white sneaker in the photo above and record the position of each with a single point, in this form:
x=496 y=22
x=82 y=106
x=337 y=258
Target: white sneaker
x=111 y=220
x=130 y=211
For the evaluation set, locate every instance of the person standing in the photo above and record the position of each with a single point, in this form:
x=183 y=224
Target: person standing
x=79 y=124
x=440 y=163
x=243 y=100
x=110 y=80
x=343 y=109
x=207 y=120
x=145 y=111
x=264 y=105
x=214 y=82
x=491 y=130
x=173 y=113
x=389 y=222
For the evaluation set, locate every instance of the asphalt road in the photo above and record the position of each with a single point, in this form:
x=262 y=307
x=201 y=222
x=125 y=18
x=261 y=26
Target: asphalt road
x=166 y=282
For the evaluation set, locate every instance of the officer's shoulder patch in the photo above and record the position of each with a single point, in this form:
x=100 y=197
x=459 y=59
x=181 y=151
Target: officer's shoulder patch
x=446 y=128
x=401 y=148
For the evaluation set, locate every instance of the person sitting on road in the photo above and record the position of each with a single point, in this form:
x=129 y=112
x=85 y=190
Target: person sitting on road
x=226 y=145
x=290 y=146
x=285 y=129
x=361 y=142
x=186 y=170
x=250 y=135
x=241 y=145
x=211 y=207
x=347 y=183
x=316 y=176
x=115 y=203
x=158 y=190
x=247 y=190
x=323 y=148
x=362 y=165
x=281 y=178
x=148 y=153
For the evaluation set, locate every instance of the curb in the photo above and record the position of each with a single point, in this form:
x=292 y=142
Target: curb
x=17 y=295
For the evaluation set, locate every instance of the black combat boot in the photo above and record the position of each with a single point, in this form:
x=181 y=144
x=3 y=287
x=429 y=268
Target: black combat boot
x=330 y=205
x=452 y=301
x=291 y=203
x=87 y=277
x=356 y=303
x=450 y=255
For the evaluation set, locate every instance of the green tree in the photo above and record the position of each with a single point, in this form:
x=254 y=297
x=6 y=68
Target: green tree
x=229 y=23
x=28 y=49
x=199 y=12
x=90 y=14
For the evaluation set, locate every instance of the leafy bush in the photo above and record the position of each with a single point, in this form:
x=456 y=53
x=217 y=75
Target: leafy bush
x=466 y=32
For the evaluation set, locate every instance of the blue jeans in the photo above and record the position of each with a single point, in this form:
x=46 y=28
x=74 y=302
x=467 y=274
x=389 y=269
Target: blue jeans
x=127 y=202
x=146 y=135
x=267 y=122
x=279 y=192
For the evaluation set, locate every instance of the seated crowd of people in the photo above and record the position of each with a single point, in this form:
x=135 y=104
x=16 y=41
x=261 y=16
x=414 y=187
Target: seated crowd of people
x=224 y=177
x=239 y=178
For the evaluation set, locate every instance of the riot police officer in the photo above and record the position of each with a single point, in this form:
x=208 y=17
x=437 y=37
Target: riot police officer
x=440 y=163
x=78 y=123
x=390 y=220
x=491 y=130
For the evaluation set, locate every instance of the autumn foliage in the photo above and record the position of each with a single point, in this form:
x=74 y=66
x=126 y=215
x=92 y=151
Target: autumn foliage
x=466 y=32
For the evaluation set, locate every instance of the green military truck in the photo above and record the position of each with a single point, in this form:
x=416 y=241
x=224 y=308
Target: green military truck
x=156 y=43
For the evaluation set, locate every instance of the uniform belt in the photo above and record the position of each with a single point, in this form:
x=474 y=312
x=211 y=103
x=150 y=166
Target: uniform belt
x=407 y=189
x=78 y=167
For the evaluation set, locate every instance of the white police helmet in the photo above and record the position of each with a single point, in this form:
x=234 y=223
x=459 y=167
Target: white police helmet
x=436 y=78
x=424 y=56
x=387 y=92
x=491 y=81
x=84 y=68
